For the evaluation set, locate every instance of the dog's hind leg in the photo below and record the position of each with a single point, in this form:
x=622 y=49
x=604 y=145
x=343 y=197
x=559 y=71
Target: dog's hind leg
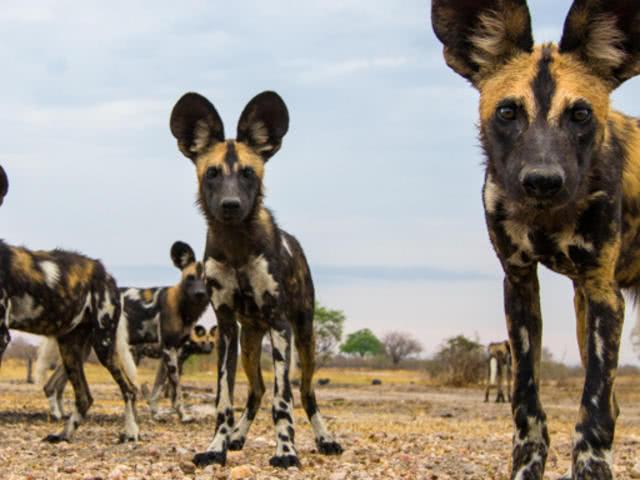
x=5 y=339
x=110 y=342
x=251 y=349
x=306 y=347
x=72 y=347
x=54 y=391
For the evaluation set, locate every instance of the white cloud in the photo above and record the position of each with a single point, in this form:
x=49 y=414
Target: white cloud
x=321 y=72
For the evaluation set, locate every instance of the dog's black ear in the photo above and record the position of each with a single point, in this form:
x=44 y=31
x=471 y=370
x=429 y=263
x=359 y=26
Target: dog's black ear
x=4 y=184
x=479 y=36
x=182 y=255
x=605 y=35
x=263 y=123
x=196 y=125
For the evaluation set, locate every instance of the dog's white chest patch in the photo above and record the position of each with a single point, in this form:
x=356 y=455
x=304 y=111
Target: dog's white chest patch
x=226 y=281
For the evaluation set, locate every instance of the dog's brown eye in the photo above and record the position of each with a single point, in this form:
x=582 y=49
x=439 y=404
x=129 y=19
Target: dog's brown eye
x=507 y=113
x=247 y=172
x=212 y=173
x=581 y=115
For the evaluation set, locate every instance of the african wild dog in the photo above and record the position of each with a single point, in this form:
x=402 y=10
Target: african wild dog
x=162 y=317
x=562 y=188
x=201 y=342
x=257 y=273
x=499 y=369
x=72 y=298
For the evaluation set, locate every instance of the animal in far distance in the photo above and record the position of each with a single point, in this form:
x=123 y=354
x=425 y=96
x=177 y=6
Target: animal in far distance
x=561 y=189
x=161 y=318
x=72 y=298
x=256 y=273
x=499 y=370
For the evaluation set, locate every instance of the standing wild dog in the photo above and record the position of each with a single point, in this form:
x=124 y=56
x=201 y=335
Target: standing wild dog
x=562 y=188
x=72 y=298
x=257 y=273
x=499 y=369
x=200 y=342
x=161 y=317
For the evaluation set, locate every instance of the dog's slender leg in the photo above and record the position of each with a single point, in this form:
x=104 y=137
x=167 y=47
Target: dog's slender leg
x=251 y=349
x=601 y=329
x=113 y=351
x=170 y=358
x=282 y=410
x=71 y=351
x=306 y=347
x=524 y=322
x=227 y=361
x=54 y=391
x=158 y=386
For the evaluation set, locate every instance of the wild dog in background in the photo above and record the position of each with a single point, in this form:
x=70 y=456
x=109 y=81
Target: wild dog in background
x=257 y=273
x=499 y=369
x=162 y=317
x=72 y=298
x=200 y=342
x=562 y=188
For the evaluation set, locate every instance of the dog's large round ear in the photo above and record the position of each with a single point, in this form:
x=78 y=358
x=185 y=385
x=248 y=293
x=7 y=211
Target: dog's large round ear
x=263 y=123
x=196 y=125
x=4 y=184
x=182 y=255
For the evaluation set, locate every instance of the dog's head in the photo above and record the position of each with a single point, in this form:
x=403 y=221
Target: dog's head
x=4 y=184
x=544 y=110
x=203 y=340
x=192 y=282
x=230 y=172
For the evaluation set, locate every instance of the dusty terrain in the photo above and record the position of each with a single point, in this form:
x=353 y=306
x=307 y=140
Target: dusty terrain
x=405 y=429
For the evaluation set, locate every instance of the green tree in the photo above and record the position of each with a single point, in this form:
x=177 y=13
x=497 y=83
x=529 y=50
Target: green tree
x=328 y=325
x=363 y=342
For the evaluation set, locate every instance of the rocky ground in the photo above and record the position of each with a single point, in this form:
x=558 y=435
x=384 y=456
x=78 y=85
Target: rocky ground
x=392 y=431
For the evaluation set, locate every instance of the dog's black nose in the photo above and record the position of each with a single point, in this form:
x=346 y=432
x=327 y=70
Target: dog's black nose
x=201 y=295
x=231 y=205
x=542 y=183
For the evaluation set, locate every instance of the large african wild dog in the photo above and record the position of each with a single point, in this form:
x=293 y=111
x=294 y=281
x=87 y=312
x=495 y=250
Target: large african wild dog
x=71 y=297
x=257 y=273
x=562 y=188
x=161 y=318
x=498 y=370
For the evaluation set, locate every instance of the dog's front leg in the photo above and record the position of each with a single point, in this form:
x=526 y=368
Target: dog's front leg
x=593 y=438
x=227 y=361
x=170 y=358
x=524 y=322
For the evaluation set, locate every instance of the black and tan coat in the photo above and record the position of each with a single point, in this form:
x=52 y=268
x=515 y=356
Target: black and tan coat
x=562 y=189
x=70 y=297
x=159 y=318
x=257 y=273
x=498 y=370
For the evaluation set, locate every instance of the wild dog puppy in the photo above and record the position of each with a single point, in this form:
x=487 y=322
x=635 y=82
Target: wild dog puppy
x=72 y=298
x=162 y=317
x=562 y=188
x=257 y=273
x=200 y=342
x=499 y=369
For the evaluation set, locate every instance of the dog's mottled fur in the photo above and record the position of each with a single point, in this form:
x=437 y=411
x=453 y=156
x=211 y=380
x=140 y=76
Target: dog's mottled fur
x=562 y=188
x=257 y=273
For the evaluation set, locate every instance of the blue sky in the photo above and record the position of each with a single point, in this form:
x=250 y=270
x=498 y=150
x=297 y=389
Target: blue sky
x=381 y=165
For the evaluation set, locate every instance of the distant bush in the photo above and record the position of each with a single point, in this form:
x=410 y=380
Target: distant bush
x=458 y=362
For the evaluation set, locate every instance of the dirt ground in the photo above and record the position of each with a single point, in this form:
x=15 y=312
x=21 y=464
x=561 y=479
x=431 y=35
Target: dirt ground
x=404 y=429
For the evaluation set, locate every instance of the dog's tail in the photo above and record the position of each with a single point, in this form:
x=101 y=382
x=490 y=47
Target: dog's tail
x=48 y=357
x=123 y=350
